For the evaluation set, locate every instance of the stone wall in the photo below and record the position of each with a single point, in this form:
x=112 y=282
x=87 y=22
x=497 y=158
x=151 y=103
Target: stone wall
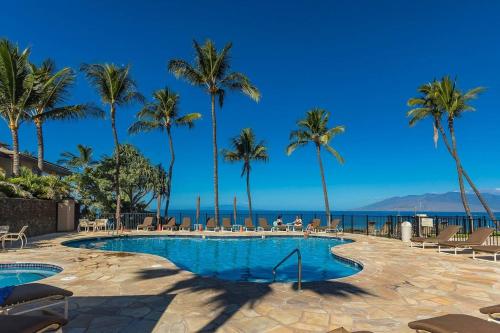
x=39 y=215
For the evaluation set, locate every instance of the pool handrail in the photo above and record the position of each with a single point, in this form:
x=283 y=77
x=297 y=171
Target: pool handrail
x=299 y=267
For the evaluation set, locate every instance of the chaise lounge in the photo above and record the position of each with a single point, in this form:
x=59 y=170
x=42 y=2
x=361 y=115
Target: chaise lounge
x=445 y=235
x=147 y=224
x=186 y=224
x=334 y=227
x=249 y=225
x=170 y=225
x=210 y=225
x=263 y=225
x=37 y=295
x=13 y=236
x=476 y=238
x=454 y=323
x=31 y=323
x=226 y=224
x=491 y=249
x=492 y=311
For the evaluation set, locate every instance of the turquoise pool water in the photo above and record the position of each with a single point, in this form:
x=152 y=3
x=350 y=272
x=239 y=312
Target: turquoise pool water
x=237 y=259
x=16 y=274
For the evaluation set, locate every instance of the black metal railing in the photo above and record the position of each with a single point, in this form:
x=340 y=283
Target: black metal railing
x=373 y=225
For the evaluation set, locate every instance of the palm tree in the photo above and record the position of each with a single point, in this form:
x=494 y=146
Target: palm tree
x=80 y=161
x=246 y=149
x=439 y=99
x=116 y=88
x=211 y=72
x=53 y=91
x=314 y=129
x=161 y=114
x=17 y=91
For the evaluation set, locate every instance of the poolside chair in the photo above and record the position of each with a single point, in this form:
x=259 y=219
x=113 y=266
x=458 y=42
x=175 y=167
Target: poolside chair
x=226 y=224
x=34 y=296
x=186 y=223
x=443 y=236
x=147 y=224
x=491 y=249
x=31 y=324
x=210 y=225
x=19 y=236
x=372 y=228
x=83 y=224
x=492 y=311
x=263 y=225
x=249 y=224
x=334 y=227
x=170 y=225
x=101 y=224
x=476 y=238
x=454 y=323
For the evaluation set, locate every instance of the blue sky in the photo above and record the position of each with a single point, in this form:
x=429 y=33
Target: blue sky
x=361 y=60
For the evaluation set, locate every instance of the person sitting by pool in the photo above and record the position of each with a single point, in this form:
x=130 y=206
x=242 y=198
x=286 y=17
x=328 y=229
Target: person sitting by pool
x=298 y=222
x=278 y=221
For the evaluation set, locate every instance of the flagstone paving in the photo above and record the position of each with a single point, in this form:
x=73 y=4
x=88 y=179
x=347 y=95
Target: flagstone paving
x=124 y=292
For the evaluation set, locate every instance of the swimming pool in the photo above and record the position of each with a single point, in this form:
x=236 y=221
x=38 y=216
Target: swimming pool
x=237 y=258
x=21 y=273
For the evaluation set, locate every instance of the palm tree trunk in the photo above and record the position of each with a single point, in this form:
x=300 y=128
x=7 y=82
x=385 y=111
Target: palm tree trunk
x=39 y=136
x=15 y=148
x=469 y=180
x=216 y=156
x=117 y=170
x=170 y=169
x=249 y=195
x=325 y=192
x=158 y=208
x=459 y=171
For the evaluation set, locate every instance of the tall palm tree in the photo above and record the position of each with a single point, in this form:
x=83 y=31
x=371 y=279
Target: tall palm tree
x=439 y=99
x=52 y=92
x=314 y=129
x=161 y=114
x=17 y=91
x=80 y=161
x=211 y=72
x=246 y=149
x=116 y=88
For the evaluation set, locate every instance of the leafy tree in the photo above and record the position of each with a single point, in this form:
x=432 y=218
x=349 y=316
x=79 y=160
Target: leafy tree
x=314 y=129
x=80 y=161
x=246 y=149
x=440 y=99
x=211 y=72
x=161 y=114
x=94 y=187
x=116 y=88
x=17 y=91
x=52 y=93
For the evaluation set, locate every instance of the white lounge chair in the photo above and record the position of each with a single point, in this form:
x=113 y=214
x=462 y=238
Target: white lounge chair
x=20 y=236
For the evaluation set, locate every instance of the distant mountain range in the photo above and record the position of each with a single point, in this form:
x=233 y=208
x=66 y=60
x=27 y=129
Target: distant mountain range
x=431 y=202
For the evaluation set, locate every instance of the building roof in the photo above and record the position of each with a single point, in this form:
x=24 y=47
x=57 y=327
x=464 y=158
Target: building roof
x=49 y=167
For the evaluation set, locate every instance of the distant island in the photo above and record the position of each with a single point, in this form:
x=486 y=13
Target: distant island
x=432 y=202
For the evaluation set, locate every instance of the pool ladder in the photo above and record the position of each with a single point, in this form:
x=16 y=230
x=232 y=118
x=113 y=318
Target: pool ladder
x=299 y=267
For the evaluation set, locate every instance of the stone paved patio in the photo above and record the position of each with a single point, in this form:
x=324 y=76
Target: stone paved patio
x=123 y=292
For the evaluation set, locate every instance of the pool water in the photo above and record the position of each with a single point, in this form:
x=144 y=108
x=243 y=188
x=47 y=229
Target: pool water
x=16 y=274
x=238 y=259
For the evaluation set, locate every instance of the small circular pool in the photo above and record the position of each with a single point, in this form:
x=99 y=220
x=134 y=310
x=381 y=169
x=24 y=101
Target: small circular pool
x=20 y=273
x=238 y=258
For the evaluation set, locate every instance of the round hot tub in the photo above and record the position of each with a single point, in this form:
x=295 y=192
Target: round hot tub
x=20 y=273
